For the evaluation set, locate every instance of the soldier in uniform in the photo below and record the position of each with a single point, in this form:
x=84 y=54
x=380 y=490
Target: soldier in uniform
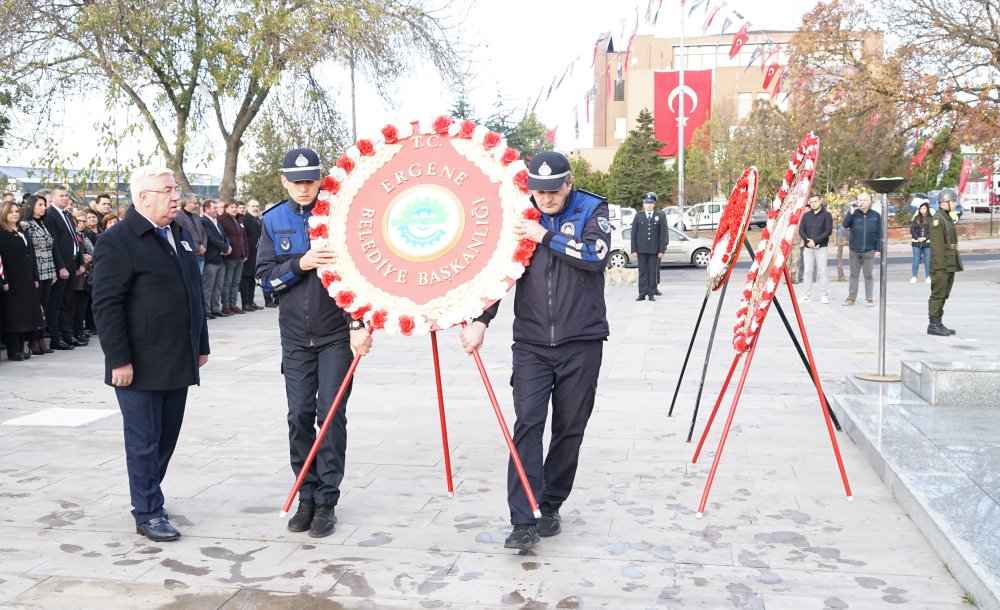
x=649 y=242
x=945 y=261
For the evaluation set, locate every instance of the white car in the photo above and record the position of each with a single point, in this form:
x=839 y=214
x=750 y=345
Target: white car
x=681 y=249
x=673 y=215
x=704 y=215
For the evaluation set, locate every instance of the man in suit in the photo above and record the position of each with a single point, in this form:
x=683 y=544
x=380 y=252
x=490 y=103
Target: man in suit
x=190 y=219
x=248 y=285
x=68 y=257
x=213 y=274
x=147 y=302
x=649 y=242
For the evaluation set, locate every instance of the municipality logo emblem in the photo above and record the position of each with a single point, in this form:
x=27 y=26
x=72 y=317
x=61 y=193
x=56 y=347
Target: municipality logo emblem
x=301 y=161
x=424 y=222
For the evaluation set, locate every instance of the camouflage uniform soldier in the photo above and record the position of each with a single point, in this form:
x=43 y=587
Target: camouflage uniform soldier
x=945 y=261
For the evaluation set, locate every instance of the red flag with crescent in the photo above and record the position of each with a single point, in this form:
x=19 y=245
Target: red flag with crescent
x=772 y=71
x=667 y=102
x=919 y=158
x=739 y=39
x=963 y=178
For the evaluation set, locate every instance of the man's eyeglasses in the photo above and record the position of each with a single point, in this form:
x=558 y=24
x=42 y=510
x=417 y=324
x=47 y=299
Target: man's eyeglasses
x=169 y=190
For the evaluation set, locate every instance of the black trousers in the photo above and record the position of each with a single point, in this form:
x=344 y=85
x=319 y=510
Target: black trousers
x=312 y=378
x=247 y=288
x=59 y=313
x=649 y=264
x=81 y=303
x=567 y=375
x=152 y=423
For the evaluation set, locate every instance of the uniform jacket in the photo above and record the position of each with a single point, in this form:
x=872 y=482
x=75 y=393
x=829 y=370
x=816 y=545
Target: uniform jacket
x=217 y=241
x=307 y=315
x=816 y=227
x=147 y=303
x=66 y=253
x=649 y=235
x=560 y=297
x=944 y=244
x=193 y=225
x=866 y=230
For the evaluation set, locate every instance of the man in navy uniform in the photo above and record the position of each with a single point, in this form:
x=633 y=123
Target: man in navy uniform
x=649 y=242
x=318 y=341
x=151 y=321
x=560 y=325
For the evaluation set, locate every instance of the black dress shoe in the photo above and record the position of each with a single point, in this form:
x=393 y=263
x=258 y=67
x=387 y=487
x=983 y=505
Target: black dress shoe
x=82 y=339
x=18 y=357
x=60 y=345
x=652 y=298
x=158 y=530
x=270 y=304
x=211 y=316
x=221 y=314
x=640 y=298
x=46 y=349
x=658 y=293
x=303 y=517
x=323 y=522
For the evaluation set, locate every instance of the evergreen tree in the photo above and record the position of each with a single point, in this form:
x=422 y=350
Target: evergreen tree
x=462 y=109
x=587 y=179
x=637 y=168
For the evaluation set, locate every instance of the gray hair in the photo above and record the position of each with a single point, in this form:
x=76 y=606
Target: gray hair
x=142 y=176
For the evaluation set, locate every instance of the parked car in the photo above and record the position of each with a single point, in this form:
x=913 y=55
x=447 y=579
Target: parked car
x=673 y=214
x=704 y=215
x=931 y=198
x=759 y=216
x=682 y=249
x=620 y=216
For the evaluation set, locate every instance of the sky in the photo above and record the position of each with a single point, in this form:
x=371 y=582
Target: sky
x=517 y=47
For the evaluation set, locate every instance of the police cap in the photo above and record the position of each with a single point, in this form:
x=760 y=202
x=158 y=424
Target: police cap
x=548 y=171
x=300 y=164
x=650 y=197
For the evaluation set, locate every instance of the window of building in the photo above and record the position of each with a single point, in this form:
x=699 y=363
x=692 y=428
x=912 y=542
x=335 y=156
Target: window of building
x=619 y=90
x=744 y=105
x=621 y=128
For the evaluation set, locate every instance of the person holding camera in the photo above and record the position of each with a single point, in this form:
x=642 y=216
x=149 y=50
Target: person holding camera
x=865 y=244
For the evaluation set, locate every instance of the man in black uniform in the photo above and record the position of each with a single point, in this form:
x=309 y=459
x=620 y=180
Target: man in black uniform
x=559 y=330
x=649 y=242
x=318 y=341
x=945 y=261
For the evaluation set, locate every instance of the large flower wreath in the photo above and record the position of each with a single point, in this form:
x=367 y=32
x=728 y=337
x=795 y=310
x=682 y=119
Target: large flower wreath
x=732 y=229
x=380 y=310
x=775 y=242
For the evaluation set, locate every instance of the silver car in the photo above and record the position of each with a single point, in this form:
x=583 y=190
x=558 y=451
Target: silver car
x=681 y=249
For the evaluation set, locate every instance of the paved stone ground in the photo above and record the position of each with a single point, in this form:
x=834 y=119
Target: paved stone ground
x=778 y=532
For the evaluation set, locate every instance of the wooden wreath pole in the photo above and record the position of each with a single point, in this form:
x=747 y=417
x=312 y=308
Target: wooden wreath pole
x=506 y=434
x=819 y=389
x=729 y=423
x=322 y=433
x=708 y=357
x=715 y=409
x=687 y=356
x=798 y=347
x=444 y=423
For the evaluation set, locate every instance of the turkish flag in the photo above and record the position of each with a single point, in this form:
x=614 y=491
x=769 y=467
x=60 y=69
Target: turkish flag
x=667 y=96
x=772 y=70
x=739 y=40
x=963 y=178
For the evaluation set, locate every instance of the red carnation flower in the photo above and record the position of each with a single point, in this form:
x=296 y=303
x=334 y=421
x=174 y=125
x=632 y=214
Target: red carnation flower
x=344 y=298
x=406 y=323
x=360 y=312
x=509 y=156
x=322 y=208
x=378 y=319
x=533 y=214
x=328 y=278
x=366 y=147
x=319 y=232
x=747 y=294
x=759 y=256
x=764 y=234
x=345 y=163
x=773 y=214
x=491 y=140
x=330 y=185
x=440 y=126
x=775 y=275
x=786 y=247
x=391 y=134
x=522 y=254
x=465 y=130
x=521 y=180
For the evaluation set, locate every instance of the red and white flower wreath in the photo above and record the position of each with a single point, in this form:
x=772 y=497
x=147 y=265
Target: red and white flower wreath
x=485 y=148
x=732 y=229
x=775 y=242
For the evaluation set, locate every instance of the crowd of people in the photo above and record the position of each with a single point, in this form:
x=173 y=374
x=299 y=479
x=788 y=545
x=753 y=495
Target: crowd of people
x=47 y=246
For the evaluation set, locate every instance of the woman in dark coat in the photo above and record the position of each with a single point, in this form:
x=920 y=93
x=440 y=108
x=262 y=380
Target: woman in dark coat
x=233 y=262
x=22 y=314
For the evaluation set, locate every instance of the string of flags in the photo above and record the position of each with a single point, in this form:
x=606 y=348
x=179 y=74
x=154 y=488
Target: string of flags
x=768 y=53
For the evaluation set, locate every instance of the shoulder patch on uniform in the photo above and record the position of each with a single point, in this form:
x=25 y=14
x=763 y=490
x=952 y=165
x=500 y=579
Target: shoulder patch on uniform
x=568 y=228
x=937 y=222
x=604 y=224
x=285 y=244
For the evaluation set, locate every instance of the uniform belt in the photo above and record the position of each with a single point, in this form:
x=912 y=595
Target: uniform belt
x=952 y=246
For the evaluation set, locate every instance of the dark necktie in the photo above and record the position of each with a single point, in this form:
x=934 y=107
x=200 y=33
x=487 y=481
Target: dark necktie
x=163 y=233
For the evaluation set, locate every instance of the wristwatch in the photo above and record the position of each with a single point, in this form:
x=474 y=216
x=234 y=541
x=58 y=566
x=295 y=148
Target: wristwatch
x=356 y=325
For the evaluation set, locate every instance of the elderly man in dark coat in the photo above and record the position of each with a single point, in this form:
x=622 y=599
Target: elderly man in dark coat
x=151 y=321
